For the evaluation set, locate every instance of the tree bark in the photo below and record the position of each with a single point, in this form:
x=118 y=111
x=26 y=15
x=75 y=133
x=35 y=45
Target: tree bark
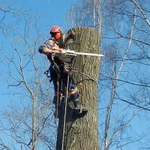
x=82 y=133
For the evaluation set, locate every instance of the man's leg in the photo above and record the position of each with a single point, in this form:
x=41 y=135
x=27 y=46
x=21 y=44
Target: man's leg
x=55 y=80
x=74 y=95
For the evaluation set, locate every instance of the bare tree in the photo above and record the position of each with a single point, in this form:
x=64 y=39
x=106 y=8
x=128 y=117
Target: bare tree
x=88 y=13
x=28 y=121
x=123 y=84
x=127 y=31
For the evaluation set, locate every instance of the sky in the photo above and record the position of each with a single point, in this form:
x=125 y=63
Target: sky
x=53 y=12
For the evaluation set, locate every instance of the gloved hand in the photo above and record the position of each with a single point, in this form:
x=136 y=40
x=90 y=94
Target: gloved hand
x=57 y=48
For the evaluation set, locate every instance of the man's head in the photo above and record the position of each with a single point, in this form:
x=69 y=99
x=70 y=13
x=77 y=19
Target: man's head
x=56 y=32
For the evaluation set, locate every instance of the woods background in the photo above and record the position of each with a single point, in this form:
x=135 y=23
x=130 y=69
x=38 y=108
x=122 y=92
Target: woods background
x=123 y=89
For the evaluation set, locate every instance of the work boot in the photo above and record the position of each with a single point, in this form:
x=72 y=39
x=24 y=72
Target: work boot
x=77 y=104
x=79 y=110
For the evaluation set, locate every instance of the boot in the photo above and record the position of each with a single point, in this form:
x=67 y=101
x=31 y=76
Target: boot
x=79 y=110
x=77 y=104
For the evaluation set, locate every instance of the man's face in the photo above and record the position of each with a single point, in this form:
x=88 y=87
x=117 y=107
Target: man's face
x=56 y=35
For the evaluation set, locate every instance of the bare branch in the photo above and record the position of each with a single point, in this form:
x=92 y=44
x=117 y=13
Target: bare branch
x=142 y=11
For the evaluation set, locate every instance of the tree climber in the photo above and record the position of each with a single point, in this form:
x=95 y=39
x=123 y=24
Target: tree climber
x=59 y=68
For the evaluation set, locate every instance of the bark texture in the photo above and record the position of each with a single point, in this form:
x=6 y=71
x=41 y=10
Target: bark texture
x=82 y=133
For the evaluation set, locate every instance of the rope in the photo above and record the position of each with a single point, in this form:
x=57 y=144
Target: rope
x=65 y=112
x=57 y=103
x=84 y=74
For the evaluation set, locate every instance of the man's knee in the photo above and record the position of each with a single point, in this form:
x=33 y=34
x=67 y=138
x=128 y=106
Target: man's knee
x=74 y=94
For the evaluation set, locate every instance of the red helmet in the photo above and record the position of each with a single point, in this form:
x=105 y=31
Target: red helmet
x=56 y=29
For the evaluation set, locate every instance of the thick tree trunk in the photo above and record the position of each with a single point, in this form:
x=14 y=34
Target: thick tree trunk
x=82 y=133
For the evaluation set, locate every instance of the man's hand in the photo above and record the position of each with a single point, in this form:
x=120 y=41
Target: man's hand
x=47 y=51
x=57 y=48
x=60 y=49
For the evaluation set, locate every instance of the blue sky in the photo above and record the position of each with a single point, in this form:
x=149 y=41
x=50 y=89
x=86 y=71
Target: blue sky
x=52 y=12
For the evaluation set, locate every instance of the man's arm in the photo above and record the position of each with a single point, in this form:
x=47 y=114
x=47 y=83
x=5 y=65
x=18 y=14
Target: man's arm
x=48 y=47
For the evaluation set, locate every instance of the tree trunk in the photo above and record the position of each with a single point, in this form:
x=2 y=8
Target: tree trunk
x=82 y=133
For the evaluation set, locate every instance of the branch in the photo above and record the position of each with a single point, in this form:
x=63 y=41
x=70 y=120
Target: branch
x=121 y=127
x=114 y=85
x=126 y=81
x=128 y=47
x=133 y=104
x=142 y=11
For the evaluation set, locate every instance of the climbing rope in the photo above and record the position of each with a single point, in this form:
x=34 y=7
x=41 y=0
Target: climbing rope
x=65 y=112
x=57 y=102
x=84 y=74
